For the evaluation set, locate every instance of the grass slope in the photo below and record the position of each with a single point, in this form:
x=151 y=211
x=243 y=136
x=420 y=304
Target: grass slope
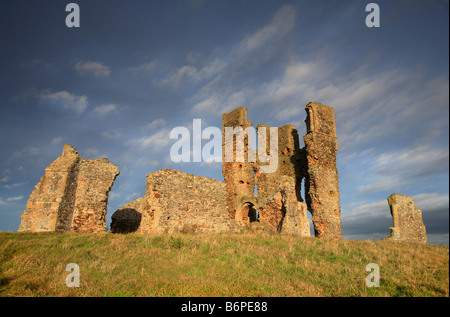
x=246 y=264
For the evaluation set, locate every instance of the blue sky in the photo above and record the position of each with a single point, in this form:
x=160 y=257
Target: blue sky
x=133 y=70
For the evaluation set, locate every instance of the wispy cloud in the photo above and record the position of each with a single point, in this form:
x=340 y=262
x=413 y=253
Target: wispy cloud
x=103 y=110
x=95 y=68
x=66 y=100
x=10 y=200
x=282 y=22
x=20 y=197
x=14 y=185
x=157 y=123
x=144 y=68
x=395 y=169
x=56 y=141
x=155 y=141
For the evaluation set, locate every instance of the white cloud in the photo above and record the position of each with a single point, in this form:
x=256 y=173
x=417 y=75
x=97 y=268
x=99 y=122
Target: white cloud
x=95 y=68
x=431 y=201
x=111 y=136
x=56 y=141
x=368 y=210
x=130 y=197
x=67 y=100
x=14 y=185
x=156 y=141
x=156 y=124
x=103 y=110
x=209 y=105
x=9 y=200
x=392 y=170
x=20 y=197
x=144 y=68
x=282 y=22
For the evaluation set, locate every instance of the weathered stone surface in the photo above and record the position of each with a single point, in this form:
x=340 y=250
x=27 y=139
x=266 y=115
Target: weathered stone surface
x=181 y=202
x=176 y=201
x=407 y=219
x=71 y=196
x=278 y=199
x=321 y=177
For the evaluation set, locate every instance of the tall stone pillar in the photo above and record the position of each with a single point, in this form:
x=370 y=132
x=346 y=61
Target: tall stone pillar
x=321 y=179
x=239 y=177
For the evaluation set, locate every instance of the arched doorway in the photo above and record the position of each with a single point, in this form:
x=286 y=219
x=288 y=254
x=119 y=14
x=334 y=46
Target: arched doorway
x=247 y=213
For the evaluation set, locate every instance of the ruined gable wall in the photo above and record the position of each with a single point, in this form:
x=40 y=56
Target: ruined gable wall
x=45 y=210
x=71 y=196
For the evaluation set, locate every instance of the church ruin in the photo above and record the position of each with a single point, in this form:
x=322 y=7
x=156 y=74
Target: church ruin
x=176 y=201
x=73 y=193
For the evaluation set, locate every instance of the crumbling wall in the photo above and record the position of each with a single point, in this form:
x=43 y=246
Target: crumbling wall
x=71 y=196
x=239 y=176
x=278 y=199
x=181 y=202
x=321 y=175
x=407 y=219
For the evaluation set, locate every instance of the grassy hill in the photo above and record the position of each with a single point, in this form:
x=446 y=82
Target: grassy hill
x=246 y=264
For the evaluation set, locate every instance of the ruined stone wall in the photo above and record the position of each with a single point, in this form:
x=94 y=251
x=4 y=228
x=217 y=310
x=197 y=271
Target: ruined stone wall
x=177 y=202
x=71 y=196
x=278 y=192
x=239 y=176
x=321 y=177
x=95 y=179
x=407 y=219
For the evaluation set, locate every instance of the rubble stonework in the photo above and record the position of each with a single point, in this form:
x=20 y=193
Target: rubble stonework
x=278 y=199
x=71 y=196
x=177 y=202
x=407 y=219
x=321 y=176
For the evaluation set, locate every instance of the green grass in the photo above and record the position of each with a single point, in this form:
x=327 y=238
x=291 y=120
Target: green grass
x=33 y=264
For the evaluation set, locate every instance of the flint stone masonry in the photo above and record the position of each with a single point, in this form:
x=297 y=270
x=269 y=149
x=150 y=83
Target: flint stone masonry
x=175 y=201
x=71 y=196
x=407 y=219
x=321 y=175
x=181 y=202
x=278 y=198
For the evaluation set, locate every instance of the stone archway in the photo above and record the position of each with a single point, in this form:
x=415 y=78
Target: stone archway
x=247 y=213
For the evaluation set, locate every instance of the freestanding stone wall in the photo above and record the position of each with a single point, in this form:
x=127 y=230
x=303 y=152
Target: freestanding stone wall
x=407 y=219
x=177 y=202
x=71 y=196
x=321 y=177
